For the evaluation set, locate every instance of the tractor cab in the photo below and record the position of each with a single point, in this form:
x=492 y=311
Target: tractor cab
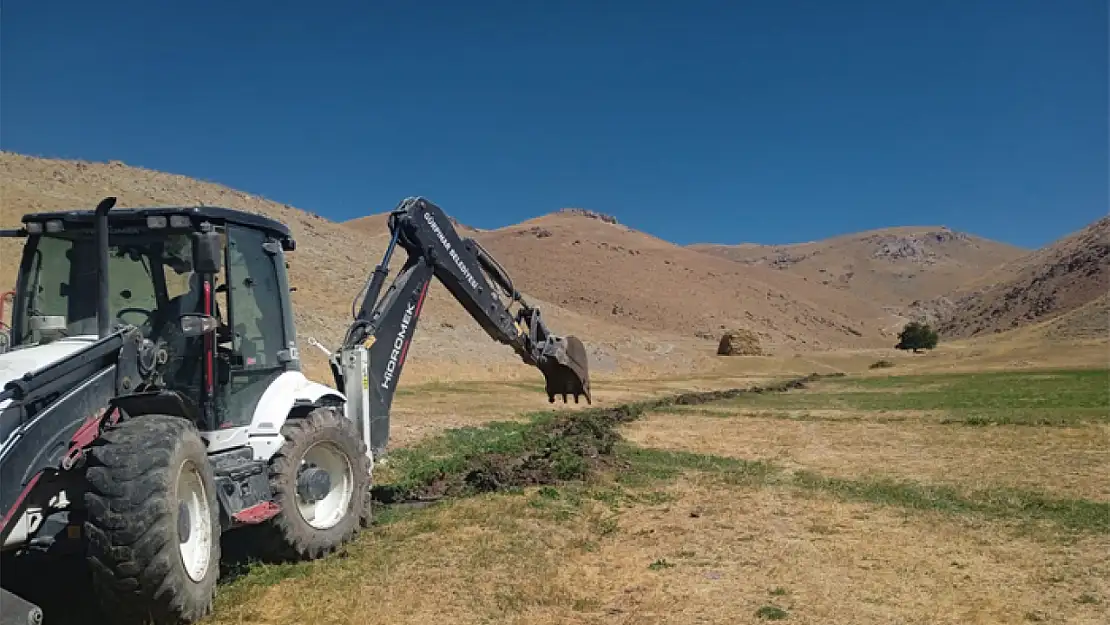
x=208 y=285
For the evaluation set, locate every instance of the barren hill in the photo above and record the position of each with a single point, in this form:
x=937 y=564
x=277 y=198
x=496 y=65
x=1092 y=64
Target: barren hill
x=376 y=225
x=1069 y=275
x=328 y=269
x=640 y=303
x=892 y=266
x=587 y=262
x=1089 y=321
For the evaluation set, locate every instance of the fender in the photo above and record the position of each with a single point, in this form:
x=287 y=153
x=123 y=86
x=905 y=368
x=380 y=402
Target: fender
x=285 y=395
x=288 y=392
x=289 y=389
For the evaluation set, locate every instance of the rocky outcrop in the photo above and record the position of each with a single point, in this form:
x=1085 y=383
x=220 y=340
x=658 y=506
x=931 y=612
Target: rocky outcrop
x=536 y=231
x=582 y=212
x=915 y=248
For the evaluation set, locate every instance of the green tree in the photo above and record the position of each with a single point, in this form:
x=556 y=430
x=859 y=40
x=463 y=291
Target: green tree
x=917 y=336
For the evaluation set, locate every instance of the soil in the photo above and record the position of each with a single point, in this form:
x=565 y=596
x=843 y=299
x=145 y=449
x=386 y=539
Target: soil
x=567 y=446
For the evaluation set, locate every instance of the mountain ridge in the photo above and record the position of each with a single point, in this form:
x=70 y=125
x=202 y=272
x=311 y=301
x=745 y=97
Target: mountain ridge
x=640 y=302
x=894 y=266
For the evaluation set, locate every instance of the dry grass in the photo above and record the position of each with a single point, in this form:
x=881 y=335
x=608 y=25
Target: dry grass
x=696 y=551
x=821 y=534
x=918 y=427
x=488 y=558
x=1072 y=462
x=836 y=563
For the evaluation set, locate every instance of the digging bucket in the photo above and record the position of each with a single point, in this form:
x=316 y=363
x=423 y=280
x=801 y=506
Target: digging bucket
x=566 y=369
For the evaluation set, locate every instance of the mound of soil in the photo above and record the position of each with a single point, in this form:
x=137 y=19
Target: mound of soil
x=556 y=448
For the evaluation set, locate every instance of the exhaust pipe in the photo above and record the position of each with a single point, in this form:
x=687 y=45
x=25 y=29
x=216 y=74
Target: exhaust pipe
x=103 y=326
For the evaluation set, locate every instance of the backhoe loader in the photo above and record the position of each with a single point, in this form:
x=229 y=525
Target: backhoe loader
x=153 y=396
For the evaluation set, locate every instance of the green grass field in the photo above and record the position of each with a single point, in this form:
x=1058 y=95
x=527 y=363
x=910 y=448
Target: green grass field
x=1063 y=398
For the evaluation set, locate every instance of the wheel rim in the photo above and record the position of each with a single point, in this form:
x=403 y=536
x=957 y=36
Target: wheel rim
x=194 y=529
x=329 y=510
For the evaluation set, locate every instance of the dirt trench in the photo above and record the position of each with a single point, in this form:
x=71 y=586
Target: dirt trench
x=556 y=447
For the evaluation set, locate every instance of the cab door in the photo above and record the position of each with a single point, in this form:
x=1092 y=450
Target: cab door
x=257 y=300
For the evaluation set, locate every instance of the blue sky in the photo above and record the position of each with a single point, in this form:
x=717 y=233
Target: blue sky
x=772 y=121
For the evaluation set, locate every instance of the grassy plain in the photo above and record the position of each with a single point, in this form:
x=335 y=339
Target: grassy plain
x=875 y=498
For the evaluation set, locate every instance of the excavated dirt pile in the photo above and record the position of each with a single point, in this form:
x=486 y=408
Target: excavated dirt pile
x=552 y=448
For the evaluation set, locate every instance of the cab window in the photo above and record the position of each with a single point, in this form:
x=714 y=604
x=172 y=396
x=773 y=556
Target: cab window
x=255 y=300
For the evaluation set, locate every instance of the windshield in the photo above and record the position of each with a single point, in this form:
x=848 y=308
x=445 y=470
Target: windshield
x=145 y=272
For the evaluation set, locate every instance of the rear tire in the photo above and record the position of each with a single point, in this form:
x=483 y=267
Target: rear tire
x=312 y=525
x=153 y=521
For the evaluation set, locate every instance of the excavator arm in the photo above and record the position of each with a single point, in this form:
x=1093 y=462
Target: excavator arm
x=377 y=342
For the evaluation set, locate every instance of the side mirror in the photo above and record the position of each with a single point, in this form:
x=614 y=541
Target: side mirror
x=207 y=252
x=197 y=325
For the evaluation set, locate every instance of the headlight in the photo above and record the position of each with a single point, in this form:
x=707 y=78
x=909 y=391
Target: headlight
x=156 y=221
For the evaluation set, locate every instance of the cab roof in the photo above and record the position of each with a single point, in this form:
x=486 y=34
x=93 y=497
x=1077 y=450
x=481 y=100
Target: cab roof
x=214 y=214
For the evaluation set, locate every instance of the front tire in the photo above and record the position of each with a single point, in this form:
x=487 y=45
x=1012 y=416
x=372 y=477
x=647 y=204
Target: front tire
x=153 y=521
x=321 y=480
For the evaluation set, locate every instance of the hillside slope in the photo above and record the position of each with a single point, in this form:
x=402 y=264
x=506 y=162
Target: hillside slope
x=586 y=262
x=328 y=269
x=1071 y=274
x=1089 y=321
x=891 y=266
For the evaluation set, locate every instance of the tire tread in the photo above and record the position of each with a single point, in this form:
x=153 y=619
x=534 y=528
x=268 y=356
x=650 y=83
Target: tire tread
x=288 y=537
x=130 y=529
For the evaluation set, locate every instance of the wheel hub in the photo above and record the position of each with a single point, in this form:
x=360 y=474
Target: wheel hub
x=194 y=532
x=325 y=483
x=184 y=523
x=313 y=484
